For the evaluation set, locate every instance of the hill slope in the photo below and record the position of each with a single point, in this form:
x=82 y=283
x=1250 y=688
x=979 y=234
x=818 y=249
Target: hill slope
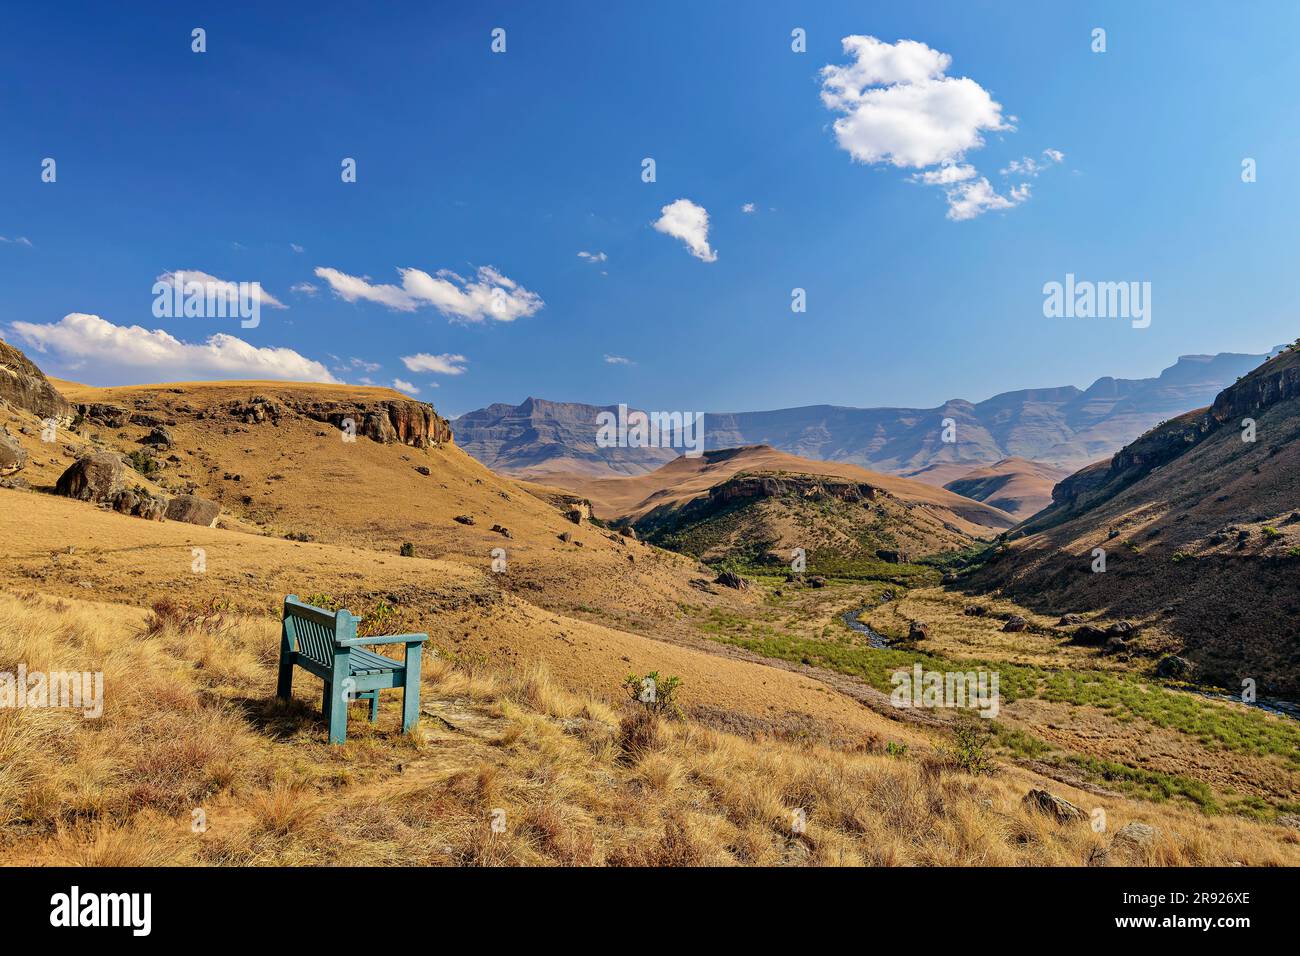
x=1020 y=488
x=1200 y=532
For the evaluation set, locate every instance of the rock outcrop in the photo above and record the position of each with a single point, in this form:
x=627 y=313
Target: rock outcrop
x=1060 y=809
x=12 y=455
x=25 y=386
x=99 y=477
x=399 y=420
x=193 y=510
x=811 y=487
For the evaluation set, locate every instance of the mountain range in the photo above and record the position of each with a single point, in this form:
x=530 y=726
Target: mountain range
x=1066 y=427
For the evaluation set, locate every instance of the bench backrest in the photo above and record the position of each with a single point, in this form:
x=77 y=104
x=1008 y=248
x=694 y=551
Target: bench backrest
x=314 y=632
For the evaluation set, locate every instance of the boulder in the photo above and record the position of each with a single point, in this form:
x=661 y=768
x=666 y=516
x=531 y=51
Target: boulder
x=730 y=579
x=423 y=470
x=159 y=437
x=628 y=531
x=918 y=631
x=1060 y=809
x=503 y=531
x=816 y=581
x=1174 y=667
x=1134 y=835
x=975 y=610
x=464 y=519
x=140 y=504
x=576 y=514
x=889 y=556
x=1015 y=623
x=1089 y=635
x=1069 y=620
x=25 y=386
x=193 y=510
x=12 y=455
x=95 y=477
x=566 y=536
x=104 y=414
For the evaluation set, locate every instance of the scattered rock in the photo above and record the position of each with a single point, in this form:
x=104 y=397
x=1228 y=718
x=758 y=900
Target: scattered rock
x=1063 y=811
x=975 y=610
x=423 y=470
x=12 y=455
x=566 y=536
x=628 y=531
x=193 y=510
x=95 y=477
x=1069 y=620
x=140 y=504
x=816 y=581
x=918 y=631
x=730 y=579
x=15 y=484
x=888 y=556
x=1134 y=835
x=1015 y=623
x=1173 y=667
x=504 y=532
x=464 y=519
x=575 y=514
x=159 y=437
x=104 y=413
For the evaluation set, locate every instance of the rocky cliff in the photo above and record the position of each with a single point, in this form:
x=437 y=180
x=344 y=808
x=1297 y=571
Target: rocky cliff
x=25 y=386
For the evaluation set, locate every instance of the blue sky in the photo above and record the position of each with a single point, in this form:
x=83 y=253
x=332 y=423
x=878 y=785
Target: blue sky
x=227 y=162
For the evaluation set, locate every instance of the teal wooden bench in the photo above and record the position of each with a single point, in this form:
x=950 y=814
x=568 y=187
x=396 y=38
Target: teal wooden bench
x=325 y=643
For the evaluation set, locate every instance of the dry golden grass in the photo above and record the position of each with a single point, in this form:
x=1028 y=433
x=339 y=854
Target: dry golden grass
x=189 y=726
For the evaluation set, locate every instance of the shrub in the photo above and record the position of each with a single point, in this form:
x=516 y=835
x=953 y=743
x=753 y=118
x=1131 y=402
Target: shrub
x=407 y=550
x=144 y=462
x=970 y=748
x=1270 y=532
x=657 y=695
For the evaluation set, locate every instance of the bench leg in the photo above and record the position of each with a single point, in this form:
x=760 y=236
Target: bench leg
x=338 y=720
x=284 y=686
x=411 y=689
x=374 y=706
x=326 y=698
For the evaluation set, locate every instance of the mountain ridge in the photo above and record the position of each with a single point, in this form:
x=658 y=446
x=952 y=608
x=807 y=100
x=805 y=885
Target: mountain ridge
x=1063 y=426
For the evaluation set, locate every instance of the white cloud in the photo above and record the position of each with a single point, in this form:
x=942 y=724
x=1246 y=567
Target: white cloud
x=488 y=295
x=227 y=287
x=444 y=364
x=17 y=240
x=945 y=175
x=618 y=360
x=1028 y=166
x=119 y=352
x=593 y=256
x=406 y=387
x=748 y=208
x=690 y=223
x=364 y=365
x=970 y=199
x=295 y=247
x=900 y=108
x=304 y=288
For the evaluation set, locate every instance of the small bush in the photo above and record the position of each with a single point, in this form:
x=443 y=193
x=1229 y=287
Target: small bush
x=143 y=462
x=407 y=549
x=1271 y=533
x=970 y=750
x=657 y=695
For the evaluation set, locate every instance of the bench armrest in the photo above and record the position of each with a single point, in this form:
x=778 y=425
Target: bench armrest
x=385 y=639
